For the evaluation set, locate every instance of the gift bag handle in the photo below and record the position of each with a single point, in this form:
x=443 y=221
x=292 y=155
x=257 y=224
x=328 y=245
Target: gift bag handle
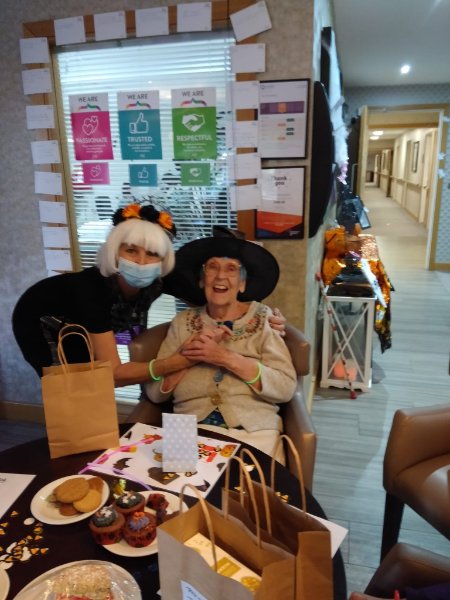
x=262 y=479
x=242 y=471
x=298 y=464
x=205 y=511
x=64 y=333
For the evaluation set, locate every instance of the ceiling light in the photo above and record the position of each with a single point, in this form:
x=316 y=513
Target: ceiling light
x=377 y=132
x=405 y=69
x=374 y=137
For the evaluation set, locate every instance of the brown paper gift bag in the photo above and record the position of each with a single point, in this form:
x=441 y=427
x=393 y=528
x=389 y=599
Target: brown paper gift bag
x=289 y=528
x=181 y=568
x=79 y=403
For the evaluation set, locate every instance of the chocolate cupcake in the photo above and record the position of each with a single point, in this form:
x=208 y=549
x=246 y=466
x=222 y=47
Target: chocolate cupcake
x=140 y=529
x=157 y=502
x=129 y=502
x=106 y=525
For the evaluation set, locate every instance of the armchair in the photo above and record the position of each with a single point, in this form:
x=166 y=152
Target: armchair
x=406 y=565
x=416 y=470
x=297 y=421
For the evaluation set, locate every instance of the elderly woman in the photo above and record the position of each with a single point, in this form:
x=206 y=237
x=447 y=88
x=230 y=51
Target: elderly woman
x=223 y=362
x=108 y=299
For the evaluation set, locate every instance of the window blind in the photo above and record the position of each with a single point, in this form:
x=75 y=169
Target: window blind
x=173 y=62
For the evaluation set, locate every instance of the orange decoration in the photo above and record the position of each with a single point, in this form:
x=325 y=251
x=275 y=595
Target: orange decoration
x=165 y=220
x=130 y=211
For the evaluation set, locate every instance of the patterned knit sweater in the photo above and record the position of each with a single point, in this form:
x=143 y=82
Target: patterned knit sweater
x=204 y=388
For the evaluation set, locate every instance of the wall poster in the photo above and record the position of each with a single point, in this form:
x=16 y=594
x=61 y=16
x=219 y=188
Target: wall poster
x=281 y=212
x=91 y=126
x=139 y=125
x=194 y=123
x=283 y=118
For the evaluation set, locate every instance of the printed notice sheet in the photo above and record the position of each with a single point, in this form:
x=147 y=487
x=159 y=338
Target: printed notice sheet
x=140 y=454
x=11 y=486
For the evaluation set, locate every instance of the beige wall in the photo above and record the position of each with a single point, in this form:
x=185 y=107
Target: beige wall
x=292 y=52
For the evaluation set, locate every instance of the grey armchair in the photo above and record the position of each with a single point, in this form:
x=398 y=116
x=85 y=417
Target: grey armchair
x=297 y=421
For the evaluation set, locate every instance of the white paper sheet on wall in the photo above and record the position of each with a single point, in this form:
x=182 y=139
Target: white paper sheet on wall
x=69 y=31
x=36 y=81
x=45 y=152
x=194 y=17
x=243 y=94
x=48 y=183
x=55 y=237
x=58 y=260
x=245 y=134
x=152 y=21
x=247 y=166
x=110 y=26
x=248 y=58
x=40 y=116
x=34 y=50
x=246 y=197
x=52 y=212
x=250 y=21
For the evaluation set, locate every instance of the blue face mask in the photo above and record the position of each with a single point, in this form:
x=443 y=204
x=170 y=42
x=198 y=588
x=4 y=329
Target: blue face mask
x=139 y=276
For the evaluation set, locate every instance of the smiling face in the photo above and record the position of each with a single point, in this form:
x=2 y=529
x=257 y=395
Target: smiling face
x=222 y=281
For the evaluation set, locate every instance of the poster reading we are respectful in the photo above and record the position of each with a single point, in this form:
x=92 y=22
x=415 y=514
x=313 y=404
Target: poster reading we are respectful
x=194 y=123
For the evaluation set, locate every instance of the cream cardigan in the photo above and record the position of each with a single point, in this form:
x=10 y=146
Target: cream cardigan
x=240 y=404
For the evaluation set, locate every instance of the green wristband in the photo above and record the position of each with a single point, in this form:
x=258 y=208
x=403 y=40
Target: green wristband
x=258 y=376
x=150 y=368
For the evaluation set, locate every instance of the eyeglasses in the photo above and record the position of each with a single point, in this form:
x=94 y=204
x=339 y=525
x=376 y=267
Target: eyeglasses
x=230 y=269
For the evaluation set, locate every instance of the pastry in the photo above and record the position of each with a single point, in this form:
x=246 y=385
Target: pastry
x=84 y=582
x=129 y=502
x=106 y=525
x=89 y=502
x=159 y=504
x=140 y=529
x=71 y=490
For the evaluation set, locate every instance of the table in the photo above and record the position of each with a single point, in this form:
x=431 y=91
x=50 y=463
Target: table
x=73 y=542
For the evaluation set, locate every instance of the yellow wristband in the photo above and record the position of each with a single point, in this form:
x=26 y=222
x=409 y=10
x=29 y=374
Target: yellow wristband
x=258 y=376
x=150 y=368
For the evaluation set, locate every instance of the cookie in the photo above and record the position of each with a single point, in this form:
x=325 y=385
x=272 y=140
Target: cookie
x=89 y=502
x=96 y=483
x=67 y=510
x=71 y=490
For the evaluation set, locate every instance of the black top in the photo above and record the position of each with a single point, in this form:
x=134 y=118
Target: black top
x=85 y=298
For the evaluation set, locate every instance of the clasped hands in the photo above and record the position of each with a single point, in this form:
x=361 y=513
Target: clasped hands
x=204 y=346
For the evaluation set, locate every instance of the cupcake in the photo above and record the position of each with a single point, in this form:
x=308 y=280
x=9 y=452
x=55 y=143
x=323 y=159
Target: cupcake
x=158 y=503
x=106 y=525
x=140 y=529
x=129 y=502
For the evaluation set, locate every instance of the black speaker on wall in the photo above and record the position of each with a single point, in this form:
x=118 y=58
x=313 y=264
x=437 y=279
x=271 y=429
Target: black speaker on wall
x=322 y=159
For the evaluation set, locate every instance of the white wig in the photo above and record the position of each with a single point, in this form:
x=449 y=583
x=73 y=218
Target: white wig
x=139 y=232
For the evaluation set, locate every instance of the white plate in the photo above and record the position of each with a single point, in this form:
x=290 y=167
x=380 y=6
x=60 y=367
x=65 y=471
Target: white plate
x=4 y=584
x=124 y=549
x=47 y=512
x=124 y=585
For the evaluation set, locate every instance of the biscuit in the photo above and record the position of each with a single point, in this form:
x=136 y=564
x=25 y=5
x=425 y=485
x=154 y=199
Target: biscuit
x=67 y=510
x=71 y=490
x=96 y=483
x=89 y=502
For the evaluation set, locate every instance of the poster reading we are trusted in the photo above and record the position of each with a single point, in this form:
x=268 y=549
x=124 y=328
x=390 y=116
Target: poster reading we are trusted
x=194 y=123
x=139 y=125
